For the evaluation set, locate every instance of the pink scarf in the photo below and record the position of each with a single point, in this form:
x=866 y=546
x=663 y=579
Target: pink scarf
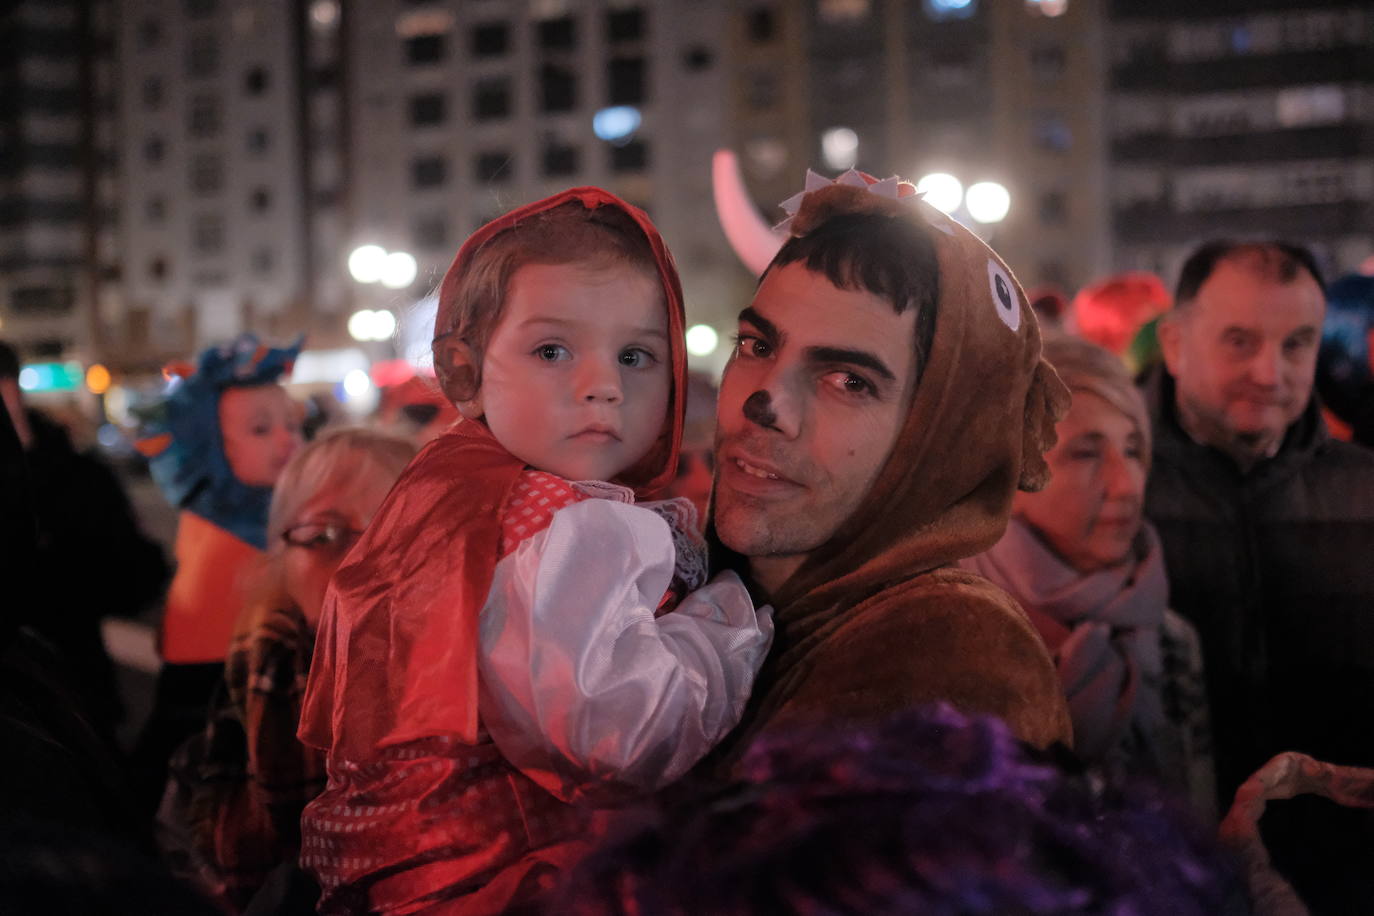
x=1102 y=628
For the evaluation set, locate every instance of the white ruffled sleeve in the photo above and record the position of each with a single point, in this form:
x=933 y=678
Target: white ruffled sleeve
x=581 y=684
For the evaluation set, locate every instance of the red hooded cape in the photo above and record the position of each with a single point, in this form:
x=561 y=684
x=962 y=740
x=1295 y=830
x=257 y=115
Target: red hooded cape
x=395 y=657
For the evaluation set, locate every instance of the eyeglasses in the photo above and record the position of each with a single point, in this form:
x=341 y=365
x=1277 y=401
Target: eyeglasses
x=328 y=536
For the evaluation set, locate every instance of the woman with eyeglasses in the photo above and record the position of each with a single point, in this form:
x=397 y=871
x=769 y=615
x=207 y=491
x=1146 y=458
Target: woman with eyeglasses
x=233 y=805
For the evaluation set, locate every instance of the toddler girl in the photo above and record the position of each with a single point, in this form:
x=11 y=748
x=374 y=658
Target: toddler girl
x=497 y=646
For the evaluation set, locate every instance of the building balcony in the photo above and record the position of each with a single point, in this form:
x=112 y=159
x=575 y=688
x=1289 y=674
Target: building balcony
x=1162 y=224
x=1331 y=65
x=1339 y=141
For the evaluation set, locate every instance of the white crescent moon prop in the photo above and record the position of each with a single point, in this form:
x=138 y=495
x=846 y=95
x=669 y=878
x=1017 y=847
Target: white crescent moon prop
x=753 y=240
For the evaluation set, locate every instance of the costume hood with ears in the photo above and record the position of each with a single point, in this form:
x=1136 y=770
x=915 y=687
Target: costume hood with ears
x=396 y=653
x=978 y=426
x=181 y=438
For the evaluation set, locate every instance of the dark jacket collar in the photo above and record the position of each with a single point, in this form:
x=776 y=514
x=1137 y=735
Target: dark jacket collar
x=1172 y=445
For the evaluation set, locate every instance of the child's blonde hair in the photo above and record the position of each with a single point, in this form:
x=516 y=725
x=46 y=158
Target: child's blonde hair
x=470 y=309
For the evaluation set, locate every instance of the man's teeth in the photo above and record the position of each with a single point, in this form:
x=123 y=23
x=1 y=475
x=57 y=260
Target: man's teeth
x=756 y=472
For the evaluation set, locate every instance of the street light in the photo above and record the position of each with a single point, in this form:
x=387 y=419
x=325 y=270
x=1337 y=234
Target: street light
x=988 y=202
x=368 y=324
x=367 y=262
x=399 y=270
x=942 y=191
x=702 y=340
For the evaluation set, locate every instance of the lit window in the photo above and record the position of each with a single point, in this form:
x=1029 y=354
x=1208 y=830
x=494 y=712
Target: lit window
x=941 y=10
x=853 y=10
x=616 y=124
x=1050 y=8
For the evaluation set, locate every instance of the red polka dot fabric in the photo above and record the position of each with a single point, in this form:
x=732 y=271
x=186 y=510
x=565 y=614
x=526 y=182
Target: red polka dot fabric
x=536 y=497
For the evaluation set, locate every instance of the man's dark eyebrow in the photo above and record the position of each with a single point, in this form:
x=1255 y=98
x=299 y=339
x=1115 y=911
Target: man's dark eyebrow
x=852 y=357
x=770 y=330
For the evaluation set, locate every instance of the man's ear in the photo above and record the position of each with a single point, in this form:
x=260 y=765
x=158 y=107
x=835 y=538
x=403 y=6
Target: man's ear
x=459 y=370
x=1171 y=340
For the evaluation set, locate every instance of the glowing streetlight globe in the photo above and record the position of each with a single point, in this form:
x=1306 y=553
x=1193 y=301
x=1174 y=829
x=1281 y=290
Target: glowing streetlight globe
x=988 y=202
x=360 y=325
x=702 y=340
x=383 y=324
x=942 y=191
x=367 y=262
x=399 y=270
x=840 y=148
x=356 y=383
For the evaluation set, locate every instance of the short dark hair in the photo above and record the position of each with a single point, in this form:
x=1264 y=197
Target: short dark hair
x=890 y=257
x=9 y=361
x=1274 y=259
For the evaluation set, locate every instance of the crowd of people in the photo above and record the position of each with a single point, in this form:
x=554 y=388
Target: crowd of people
x=965 y=601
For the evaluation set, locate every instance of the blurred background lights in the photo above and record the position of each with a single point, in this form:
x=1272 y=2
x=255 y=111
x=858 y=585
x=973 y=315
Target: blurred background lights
x=950 y=4
x=617 y=123
x=988 y=202
x=109 y=436
x=1049 y=8
x=98 y=379
x=29 y=379
x=398 y=272
x=357 y=384
x=324 y=12
x=371 y=325
x=367 y=262
x=942 y=191
x=702 y=340
x=840 y=148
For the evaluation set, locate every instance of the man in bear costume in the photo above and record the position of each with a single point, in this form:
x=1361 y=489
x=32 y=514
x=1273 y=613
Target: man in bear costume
x=886 y=399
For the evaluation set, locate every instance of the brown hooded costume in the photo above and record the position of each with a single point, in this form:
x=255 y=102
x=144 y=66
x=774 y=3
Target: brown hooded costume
x=878 y=619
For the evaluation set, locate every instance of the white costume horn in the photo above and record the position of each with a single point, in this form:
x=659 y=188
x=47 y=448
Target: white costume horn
x=749 y=235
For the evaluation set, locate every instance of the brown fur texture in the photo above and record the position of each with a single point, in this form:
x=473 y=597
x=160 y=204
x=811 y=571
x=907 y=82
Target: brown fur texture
x=874 y=621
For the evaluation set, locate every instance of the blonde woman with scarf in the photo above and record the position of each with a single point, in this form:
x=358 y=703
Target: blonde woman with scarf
x=1088 y=569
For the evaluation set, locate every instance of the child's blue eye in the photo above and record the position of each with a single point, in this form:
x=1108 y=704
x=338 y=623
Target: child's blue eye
x=552 y=353
x=636 y=358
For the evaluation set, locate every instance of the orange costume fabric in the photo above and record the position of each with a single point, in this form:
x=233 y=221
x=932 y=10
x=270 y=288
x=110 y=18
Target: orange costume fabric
x=206 y=595
x=393 y=689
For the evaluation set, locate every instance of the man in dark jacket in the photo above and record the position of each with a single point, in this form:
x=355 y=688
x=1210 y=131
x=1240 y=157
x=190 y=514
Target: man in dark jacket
x=1267 y=522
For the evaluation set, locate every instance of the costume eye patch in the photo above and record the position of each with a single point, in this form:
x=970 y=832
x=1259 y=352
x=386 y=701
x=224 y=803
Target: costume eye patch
x=1004 y=297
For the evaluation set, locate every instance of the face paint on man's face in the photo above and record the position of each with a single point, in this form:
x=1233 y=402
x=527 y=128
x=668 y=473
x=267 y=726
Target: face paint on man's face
x=758 y=408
